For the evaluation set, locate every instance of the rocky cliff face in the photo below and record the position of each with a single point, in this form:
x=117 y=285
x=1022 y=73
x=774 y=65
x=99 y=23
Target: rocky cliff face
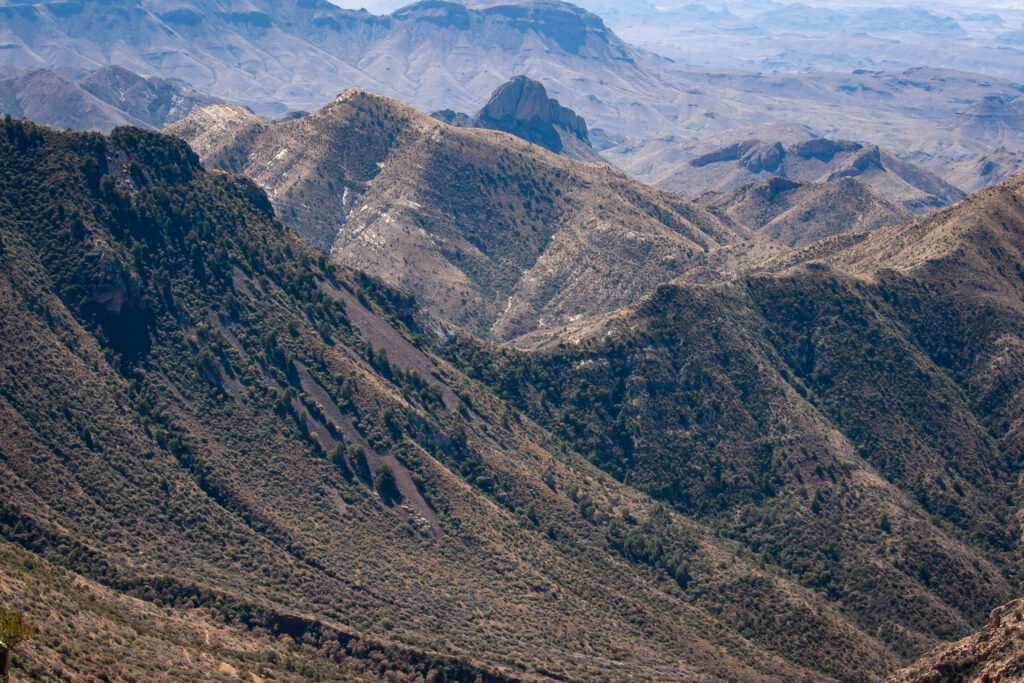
x=996 y=653
x=522 y=107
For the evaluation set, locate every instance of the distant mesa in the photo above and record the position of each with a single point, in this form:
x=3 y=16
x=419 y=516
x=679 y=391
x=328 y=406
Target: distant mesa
x=800 y=213
x=819 y=161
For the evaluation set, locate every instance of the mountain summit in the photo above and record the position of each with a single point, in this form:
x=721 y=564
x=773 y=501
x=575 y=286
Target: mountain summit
x=522 y=107
x=488 y=232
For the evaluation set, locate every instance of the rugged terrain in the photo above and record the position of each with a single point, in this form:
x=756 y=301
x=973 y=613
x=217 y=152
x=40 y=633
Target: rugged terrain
x=996 y=653
x=817 y=160
x=522 y=107
x=439 y=55
x=488 y=231
x=785 y=464
x=799 y=213
x=98 y=101
x=850 y=411
x=216 y=443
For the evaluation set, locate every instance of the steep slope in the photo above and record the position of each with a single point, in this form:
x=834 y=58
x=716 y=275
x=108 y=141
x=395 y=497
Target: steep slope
x=996 y=653
x=155 y=101
x=218 y=433
x=817 y=160
x=487 y=231
x=975 y=172
x=851 y=411
x=50 y=98
x=99 y=101
x=87 y=630
x=799 y=213
x=522 y=107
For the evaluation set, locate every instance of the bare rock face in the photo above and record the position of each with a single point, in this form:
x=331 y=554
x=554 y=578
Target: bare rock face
x=753 y=155
x=522 y=107
x=996 y=653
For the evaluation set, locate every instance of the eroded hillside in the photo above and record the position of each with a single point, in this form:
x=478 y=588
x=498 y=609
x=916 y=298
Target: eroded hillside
x=210 y=426
x=849 y=411
x=488 y=231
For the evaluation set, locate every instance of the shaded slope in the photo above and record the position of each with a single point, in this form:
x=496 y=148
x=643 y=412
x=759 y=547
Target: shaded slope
x=799 y=213
x=486 y=230
x=99 y=101
x=850 y=411
x=199 y=412
x=50 y=98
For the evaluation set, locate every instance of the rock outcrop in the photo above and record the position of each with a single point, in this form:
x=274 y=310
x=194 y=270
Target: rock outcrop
x=996 y=653
x=523 y=108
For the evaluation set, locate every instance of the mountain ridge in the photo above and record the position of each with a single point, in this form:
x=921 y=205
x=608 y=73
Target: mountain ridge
x=207 y=361
x=481 y=226
x=817 y=160
x=799 y=213
x=97 y=101
x=449 y=56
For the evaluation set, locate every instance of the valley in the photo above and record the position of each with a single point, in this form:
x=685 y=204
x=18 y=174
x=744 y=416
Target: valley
x=473 y=343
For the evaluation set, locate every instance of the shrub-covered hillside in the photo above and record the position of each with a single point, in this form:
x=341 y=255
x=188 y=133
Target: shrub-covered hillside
x=851 y=412
x=214 y=443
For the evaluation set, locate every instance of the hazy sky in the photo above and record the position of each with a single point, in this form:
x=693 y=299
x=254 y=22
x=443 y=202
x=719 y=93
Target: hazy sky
x=382 y=6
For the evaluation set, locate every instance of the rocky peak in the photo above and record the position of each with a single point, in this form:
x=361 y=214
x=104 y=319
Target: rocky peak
x=522 y=107
x=754 y=155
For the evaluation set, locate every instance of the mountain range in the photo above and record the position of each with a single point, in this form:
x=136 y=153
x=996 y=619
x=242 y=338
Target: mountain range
x=100 y=100
x=642 y=372
x=260 y=445
x=817 y=160
x=486 y=230
x=824 y=35
x=437 y=55
x=293 y=457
